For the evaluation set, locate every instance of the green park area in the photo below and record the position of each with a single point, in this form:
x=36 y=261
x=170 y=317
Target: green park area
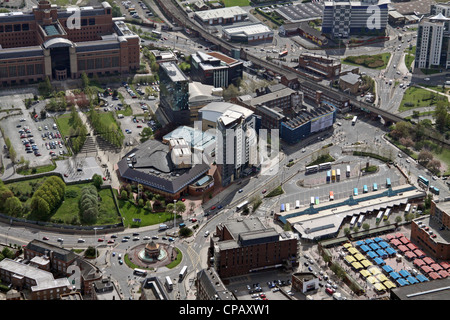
x=50 y=199
x=416 y=97
x=377 y=61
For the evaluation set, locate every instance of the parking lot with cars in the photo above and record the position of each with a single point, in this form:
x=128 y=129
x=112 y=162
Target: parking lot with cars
x=34 y=139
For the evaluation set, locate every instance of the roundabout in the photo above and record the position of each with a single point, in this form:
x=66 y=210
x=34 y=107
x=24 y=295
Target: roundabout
x=152 y=255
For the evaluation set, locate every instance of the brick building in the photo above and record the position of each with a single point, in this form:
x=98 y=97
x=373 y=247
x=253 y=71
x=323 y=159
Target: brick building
x=320 y=66
x=431 y=233
x=64 y=43
x=246 y=245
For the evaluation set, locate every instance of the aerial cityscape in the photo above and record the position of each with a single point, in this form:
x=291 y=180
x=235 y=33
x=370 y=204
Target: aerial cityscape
x=226 y=150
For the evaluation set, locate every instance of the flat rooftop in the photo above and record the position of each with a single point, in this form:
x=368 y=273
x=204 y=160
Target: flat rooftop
x=248 y=30
x=173 y=71
x=224 y=13
x=301 y=12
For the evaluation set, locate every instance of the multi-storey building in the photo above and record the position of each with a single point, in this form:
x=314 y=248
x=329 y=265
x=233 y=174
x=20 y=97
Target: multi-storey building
x=64 y=43
x=40 y=283
x=246 y=245
x=215 y=68
x=174 y=93
x=432 y=47
x=431 y=233
x=235 y=130
x=342 y=19
x=320 y=66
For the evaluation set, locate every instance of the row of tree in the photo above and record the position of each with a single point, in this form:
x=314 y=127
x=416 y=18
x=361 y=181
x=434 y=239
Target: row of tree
x=109 y=133
x=9 y=203
x=77 y=132
x=47 y=198
x=88 y=205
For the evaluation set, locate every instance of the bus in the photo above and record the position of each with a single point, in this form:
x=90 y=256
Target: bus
x=325 y=165
x=312 y=169
x=282 y=209
x=354 y=120
x=408 y=207
x=297 y=204
x=423 y=180
x=333 y=175
x=352 y=222
x=288 y=207
x=169 y=283
x=347 y=173
x=283 y=53
x=312 y=201
x=156 y=34
x=434 y=190
x=182 y=273
x=331 y=195
x=388 y=182
x=355 y=191
x=387 y=213
x=375 y=187
x=360 y=220
x=242 y=205
x=328 y=176
x=317 y=200
x=379 y=216
x=338 y=174
x=365 y=190
x=140 y=272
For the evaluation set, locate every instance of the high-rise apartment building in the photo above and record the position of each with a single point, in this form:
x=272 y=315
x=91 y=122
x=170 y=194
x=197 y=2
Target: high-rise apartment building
x=344 y=18
x=235 y=129
x=174 y=93
x=432 y=47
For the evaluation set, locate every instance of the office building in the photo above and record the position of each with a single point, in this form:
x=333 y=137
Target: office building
x=246 y=245
x=432 y=47
x=40 y=284
x=174 y=97
x=308 y=122
x=44 y=43
x=320 y=66
x=342 y=19
x=250 y=33
x=215 y=69
x=210 y=287
x=221 y=16
x=431 y=233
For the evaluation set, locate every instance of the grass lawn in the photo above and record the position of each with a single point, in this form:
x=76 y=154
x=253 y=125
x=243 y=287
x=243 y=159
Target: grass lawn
x=69 y=208
x=68 y=211
x=40 y=169
x=126 y=111
x=129 y=212
x=377 y=61
x=415 y=97
x=444 y=157
x=107 y=120
x=64 y=124
x=239 y=3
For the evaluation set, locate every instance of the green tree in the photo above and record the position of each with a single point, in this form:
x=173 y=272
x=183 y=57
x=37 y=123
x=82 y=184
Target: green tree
x=84 y=81
x=97 y=180
x=88 y=205
x=45 y=88
x=441 y=116
x=13 y=206
x=180 y=207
